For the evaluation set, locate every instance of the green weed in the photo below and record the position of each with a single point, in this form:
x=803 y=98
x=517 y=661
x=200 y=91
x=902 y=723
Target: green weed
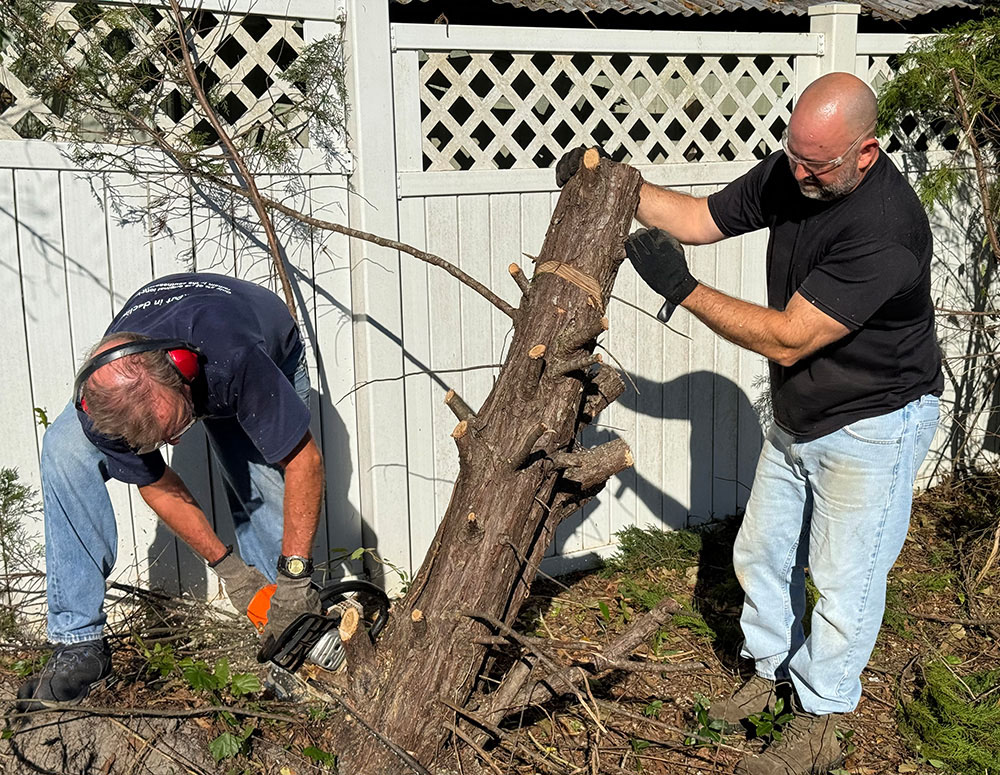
x=708 y=730
x=768 y=724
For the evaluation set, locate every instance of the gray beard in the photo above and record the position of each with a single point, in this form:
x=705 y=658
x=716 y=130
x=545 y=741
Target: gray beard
x=831 y=191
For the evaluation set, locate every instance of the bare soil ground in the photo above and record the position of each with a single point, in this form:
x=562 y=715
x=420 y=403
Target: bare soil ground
x=941 y=606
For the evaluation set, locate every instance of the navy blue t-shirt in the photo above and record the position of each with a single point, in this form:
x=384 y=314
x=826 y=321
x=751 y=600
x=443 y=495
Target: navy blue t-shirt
x=245 y=334
x=865 y=261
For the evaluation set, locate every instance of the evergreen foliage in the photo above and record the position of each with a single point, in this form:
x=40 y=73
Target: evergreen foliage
x=652 y=547
x=923 y=88
x=956 y=720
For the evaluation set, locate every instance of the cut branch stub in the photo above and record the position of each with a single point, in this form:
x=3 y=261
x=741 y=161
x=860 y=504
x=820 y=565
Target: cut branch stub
x=601 y=390
x=358 y=650
x=593 y=467
x=572 y=340
x=524 y=449
x=459 y=408
x=579 y=363
x=522 y=282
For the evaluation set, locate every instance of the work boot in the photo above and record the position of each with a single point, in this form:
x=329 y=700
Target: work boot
x=69 y=675
x=808 y=746
x=756 y=695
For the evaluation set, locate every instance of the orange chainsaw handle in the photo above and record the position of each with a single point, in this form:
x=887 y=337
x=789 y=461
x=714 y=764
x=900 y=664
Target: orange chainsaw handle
x=260 y=605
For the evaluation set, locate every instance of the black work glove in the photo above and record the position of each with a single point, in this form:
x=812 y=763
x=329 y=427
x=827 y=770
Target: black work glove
x=570 y=162
x=659 y=260
x=242 y=582
x=291 y=599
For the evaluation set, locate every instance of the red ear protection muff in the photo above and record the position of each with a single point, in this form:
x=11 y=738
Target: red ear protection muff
x=184 y=357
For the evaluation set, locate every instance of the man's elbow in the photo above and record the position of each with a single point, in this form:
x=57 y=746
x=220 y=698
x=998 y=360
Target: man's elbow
x=305 y=456
x=788 y=355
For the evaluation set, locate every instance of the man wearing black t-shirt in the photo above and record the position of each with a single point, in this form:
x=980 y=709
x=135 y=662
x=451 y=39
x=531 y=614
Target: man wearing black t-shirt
x=184 y=348
x=855 y=375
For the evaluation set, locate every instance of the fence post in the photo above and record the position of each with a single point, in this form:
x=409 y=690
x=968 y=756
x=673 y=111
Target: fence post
x=375 y=284
x=837 y=23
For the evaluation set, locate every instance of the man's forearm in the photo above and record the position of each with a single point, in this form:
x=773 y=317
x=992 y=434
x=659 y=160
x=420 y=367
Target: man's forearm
x=685 y=217
x=760 y=329
x=173 y=503
x=303 y=498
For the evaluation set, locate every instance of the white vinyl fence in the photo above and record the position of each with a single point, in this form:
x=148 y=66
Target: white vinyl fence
x=453 y=131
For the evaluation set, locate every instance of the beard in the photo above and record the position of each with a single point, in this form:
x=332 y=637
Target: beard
x=813 y=188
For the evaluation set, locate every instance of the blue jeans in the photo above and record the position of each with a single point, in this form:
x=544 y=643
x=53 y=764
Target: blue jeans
x=839 y=505
x=81 y=536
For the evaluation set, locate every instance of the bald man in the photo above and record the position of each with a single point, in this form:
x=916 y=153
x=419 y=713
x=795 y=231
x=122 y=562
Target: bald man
x=855 y=375
x=184 y=348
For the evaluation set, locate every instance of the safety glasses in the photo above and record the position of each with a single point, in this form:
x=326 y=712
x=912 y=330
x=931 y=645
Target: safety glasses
x=821 y=167
x=147 y=448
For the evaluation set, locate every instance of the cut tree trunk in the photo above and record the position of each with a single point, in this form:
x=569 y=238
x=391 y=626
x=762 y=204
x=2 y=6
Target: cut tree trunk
x=522 y=471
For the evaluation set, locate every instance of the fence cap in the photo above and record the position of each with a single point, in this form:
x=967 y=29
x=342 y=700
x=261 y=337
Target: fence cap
x=833 y=8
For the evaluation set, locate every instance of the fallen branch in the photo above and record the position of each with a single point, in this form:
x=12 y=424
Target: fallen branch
x=953 y=620
x=515 y=693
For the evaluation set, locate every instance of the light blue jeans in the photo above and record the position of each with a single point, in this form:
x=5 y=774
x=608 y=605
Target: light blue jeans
x=839 y=505
x=81 y=536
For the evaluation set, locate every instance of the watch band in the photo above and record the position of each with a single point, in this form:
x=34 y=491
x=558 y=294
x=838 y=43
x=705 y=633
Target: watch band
x=295 y=567
x=229 y=551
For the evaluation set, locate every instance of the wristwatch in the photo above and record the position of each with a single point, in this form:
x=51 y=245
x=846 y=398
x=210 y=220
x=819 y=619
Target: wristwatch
x=295 y=567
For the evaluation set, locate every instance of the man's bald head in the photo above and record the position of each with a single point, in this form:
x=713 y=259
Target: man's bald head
x=830 y=142
x=839 y=105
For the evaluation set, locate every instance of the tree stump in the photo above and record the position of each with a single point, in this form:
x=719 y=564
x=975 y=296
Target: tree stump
x=522 y=471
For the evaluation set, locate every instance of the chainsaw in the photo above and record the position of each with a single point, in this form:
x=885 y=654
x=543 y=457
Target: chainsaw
x=316 y=637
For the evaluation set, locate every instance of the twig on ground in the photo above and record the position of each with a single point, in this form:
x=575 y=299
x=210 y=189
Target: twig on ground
x=485 y=757
x=94 y=710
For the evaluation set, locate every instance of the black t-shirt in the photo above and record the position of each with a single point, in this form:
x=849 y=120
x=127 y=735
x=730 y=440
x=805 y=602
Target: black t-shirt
x=864 y=260
x=245 y=334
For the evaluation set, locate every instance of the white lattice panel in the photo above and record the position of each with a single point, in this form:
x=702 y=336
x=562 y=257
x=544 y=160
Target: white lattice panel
x=909 y=135
x=500 y=110
x=243 y=58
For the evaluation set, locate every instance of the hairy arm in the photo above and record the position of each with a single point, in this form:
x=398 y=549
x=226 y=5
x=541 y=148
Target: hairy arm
x=685 y=217
x=170 y=498
x=784 y=337
x=303 y=497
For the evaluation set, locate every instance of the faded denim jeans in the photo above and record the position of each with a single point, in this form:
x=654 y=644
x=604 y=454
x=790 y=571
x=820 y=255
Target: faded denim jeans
x=839 y=505
x=81 y=535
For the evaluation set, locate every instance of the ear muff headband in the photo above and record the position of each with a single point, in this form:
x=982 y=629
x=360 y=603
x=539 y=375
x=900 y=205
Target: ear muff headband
x=183 y=356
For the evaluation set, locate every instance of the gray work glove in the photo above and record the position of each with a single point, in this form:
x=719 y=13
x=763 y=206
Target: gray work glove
x=659 y=260
x=291 y=599
x=242 y=582
x=570 y=162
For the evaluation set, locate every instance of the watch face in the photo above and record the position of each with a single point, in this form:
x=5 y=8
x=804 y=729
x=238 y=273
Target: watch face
x=295 y=566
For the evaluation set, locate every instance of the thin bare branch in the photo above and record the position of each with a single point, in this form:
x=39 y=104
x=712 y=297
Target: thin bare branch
x=247 y=177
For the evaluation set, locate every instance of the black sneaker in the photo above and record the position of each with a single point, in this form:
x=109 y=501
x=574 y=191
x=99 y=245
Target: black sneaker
x=69 y=675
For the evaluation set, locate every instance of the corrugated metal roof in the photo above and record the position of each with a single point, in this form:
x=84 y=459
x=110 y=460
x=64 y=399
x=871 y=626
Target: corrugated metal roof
x=883 y=9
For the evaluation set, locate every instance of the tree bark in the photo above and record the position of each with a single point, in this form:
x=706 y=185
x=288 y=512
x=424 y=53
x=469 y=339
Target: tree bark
x=521 y=472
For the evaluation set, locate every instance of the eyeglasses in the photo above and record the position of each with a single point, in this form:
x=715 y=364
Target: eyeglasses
x=821 y=167
x=148 y=448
